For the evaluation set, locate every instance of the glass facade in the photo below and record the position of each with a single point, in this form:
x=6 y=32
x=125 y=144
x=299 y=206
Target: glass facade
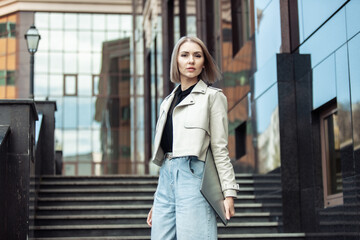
x=334 y=63
x=251 y=38
x=84 y=63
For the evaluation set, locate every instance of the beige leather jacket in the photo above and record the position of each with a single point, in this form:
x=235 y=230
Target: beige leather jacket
x=199 y=119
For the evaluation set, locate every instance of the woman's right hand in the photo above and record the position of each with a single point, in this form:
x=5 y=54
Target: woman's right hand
x=149 y=218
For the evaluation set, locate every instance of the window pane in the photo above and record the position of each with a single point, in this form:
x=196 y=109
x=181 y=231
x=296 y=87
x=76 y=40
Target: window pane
x=44 y=41
x=70 y=113
x=70 y=62
x=113 y=22
x=42 y=20
x=84 y=169
x=333 y=33
x=84 y=63
x=41 y=85
x=98 y=22
x=56 y=85
x=85 y=41
x=313 y=13
x=70 y=85
x=84 y=85
x=56 y=20
x=324 y=78
x=70 y=21
x=98 y=39
x=41 y=62
x=84 y=21
x=56 y=63
x=69 y=144
x=84 y=145
x=70 y=41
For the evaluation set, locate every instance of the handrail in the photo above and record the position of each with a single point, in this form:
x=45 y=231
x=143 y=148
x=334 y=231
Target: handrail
x=4 y=133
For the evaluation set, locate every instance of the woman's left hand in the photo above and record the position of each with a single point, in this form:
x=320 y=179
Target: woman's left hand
x=229 y=207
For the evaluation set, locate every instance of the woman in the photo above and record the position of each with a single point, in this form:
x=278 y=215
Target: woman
x=191 y=118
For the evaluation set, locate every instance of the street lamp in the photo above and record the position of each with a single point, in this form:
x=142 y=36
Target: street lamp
x=32 y=37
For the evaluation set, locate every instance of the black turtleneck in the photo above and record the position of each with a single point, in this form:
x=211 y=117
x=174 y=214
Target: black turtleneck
x=167 y=137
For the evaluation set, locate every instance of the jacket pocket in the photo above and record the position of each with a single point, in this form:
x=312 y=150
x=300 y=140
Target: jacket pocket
x=197 y=117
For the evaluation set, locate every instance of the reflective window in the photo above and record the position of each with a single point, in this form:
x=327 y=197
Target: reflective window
x=268 y=30
x=314 y=13
x=333 y=33
x=324 y=78
x=354 y=63
x=265 y=77
x=343 y=96
x=84 y=63
x=267 y=131
x=352 y=18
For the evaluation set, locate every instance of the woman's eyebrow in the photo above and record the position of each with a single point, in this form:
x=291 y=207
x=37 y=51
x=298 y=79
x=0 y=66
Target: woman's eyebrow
x=194 y=52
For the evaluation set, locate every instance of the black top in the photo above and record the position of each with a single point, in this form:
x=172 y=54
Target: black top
x=167 y=137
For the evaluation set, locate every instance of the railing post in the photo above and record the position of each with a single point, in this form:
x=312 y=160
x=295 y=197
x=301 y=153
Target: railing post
x=20 y=115
x=46 y=142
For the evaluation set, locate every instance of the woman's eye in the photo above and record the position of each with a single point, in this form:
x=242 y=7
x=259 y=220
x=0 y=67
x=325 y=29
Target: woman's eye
x=198 y=56
x=183 y=55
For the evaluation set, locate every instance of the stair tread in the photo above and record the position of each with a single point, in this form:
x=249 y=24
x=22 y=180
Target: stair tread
x=102 y=190
x=154 y=176
x=261 y=235
x=80 y=183
x=237 y=205
x=132 y=226
x=104 y=198
x=94 y=198
x=114 y=216
x=223 y=236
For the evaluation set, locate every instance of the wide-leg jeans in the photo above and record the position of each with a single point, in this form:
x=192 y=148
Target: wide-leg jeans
x=180 y=211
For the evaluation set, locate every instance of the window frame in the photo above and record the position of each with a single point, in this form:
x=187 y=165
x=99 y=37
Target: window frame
x=336 y=199
x=76 y=85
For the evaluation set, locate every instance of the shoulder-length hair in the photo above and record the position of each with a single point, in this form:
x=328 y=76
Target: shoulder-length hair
x=209 y=74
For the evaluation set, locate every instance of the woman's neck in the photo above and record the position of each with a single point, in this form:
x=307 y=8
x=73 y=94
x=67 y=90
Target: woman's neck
x=185 y=84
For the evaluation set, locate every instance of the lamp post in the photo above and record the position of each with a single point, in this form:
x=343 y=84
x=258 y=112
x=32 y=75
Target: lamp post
x=32 y=37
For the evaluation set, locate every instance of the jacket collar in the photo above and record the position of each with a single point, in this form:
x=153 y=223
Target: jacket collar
x=200 y=87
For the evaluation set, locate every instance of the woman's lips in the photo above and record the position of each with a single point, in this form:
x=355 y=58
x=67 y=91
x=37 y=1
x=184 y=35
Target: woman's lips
x=190 y=69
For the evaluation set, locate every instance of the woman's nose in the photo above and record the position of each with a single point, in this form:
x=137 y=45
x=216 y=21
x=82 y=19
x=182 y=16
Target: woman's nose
x=191 y=59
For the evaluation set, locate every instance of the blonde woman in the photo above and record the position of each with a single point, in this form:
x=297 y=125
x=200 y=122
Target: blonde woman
x=191 y=118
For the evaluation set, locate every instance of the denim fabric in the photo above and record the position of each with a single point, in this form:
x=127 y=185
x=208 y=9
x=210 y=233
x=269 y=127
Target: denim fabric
x=180 y=211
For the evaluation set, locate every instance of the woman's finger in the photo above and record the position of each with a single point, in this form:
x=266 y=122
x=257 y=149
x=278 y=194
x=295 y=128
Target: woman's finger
x=227 y=210
x=149 y=218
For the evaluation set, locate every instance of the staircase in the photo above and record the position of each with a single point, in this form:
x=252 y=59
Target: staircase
x=116 y=207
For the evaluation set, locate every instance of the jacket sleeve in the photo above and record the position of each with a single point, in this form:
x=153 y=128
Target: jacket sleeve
x=219 y=142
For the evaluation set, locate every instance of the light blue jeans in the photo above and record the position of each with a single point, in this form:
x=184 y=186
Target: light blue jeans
x=180 y=211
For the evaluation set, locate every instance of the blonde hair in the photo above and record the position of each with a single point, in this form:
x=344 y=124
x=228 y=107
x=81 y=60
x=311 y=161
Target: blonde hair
x=209 y=74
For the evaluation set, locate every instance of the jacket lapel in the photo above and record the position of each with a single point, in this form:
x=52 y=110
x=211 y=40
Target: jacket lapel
x=189 y=100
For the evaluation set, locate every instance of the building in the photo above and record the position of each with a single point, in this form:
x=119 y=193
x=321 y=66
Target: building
x=85 y=62
x=291 y=79
x=290 y=73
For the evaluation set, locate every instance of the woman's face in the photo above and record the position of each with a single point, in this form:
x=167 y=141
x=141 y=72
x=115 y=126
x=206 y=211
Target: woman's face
x=190 y=61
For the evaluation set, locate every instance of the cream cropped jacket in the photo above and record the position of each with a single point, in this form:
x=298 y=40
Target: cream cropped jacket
x=198 y=120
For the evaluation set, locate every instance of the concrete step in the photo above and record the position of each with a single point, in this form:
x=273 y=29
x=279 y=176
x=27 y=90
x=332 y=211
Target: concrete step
x=88 y=192
x=136 y=209
x=116 y=207
x=46 y=220
x=262 y=236
x=141 y=229
x=118 y=200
